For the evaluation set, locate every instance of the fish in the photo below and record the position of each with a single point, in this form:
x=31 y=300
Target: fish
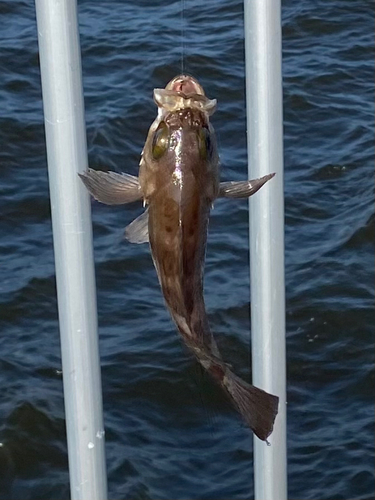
x=179 y=182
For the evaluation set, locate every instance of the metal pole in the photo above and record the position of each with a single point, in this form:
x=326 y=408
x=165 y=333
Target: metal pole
x=265 y=155
x=60 y=64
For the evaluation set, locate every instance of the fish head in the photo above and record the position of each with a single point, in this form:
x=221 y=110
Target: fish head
x=185 y=84
x=187 y=136
x=181 y=141
x=183 y=91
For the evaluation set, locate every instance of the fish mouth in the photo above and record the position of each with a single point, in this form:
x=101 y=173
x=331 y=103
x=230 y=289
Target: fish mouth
x=185 y=84
x=182 y=92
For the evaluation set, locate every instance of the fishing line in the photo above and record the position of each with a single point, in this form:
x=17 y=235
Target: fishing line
x=182 y=36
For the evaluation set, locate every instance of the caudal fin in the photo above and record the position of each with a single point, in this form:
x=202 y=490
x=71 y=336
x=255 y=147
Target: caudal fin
x=257 y=407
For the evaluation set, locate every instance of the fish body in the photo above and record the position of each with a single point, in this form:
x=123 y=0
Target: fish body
x=179 y=182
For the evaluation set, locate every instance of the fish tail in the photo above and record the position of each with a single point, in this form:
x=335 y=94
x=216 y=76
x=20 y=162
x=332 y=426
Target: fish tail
x=257 y=407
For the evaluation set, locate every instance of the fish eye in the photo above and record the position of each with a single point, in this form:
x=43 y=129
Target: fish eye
x=160 y=141
x=205 y=143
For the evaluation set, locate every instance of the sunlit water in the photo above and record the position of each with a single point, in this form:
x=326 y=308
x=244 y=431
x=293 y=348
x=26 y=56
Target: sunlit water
x=169 y=431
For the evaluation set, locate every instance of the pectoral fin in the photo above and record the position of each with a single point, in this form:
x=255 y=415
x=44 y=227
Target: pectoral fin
x=111 y=188
x=242 y=189
x=137 y=231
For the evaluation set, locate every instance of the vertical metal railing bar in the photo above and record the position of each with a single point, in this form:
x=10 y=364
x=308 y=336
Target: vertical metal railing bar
x=60 y=63
x=265 y=155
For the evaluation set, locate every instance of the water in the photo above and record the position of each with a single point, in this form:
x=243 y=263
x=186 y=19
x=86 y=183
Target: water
x=169 y=431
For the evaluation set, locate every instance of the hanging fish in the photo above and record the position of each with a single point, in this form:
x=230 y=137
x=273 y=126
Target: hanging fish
x=179 y=182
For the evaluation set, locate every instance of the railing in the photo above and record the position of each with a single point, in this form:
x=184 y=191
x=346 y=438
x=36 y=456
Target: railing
x=266 y=217
x=60 y=62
